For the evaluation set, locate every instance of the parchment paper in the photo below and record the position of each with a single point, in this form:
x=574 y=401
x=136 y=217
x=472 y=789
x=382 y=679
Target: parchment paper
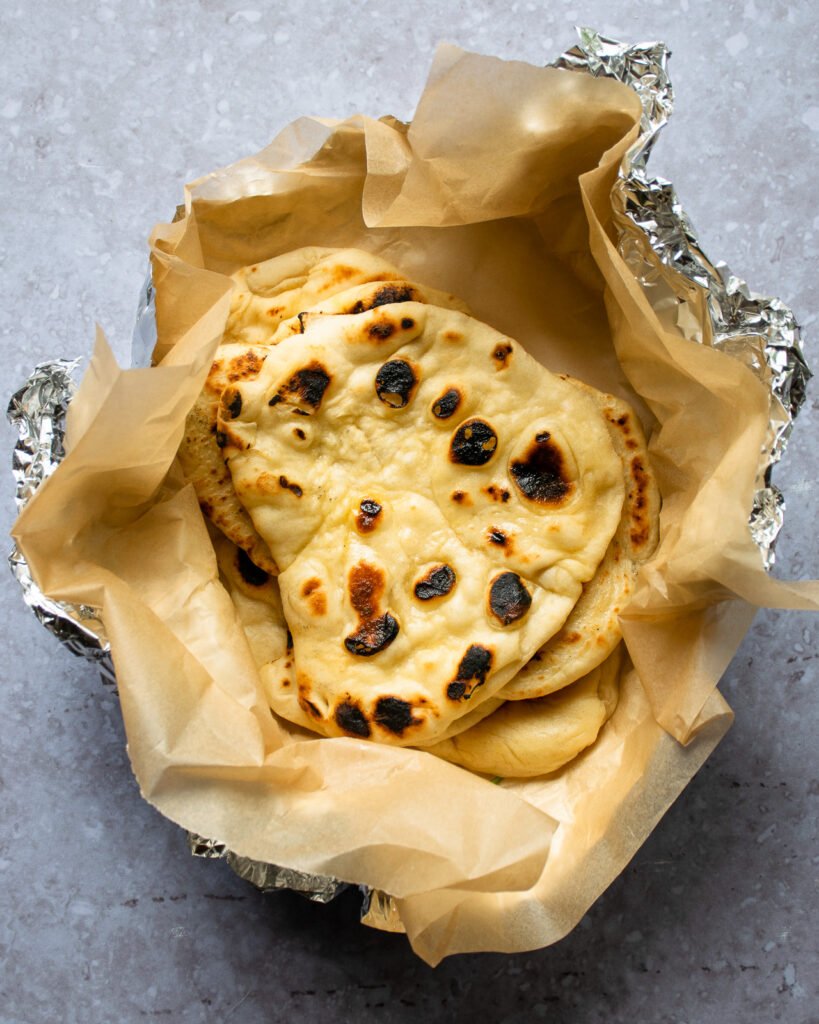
x=498 y=192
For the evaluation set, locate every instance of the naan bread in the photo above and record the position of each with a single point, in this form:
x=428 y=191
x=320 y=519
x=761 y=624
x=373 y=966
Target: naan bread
x=592 y=630
x=255 y=596
x=269 y=299
x=266 y=294
x=201 y=459
x=435 y=500
x=533 y=737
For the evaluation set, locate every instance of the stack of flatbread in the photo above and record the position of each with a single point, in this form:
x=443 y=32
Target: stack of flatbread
x=427 y=536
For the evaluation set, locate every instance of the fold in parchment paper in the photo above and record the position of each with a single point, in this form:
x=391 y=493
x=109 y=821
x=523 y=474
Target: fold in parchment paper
x=499 y=192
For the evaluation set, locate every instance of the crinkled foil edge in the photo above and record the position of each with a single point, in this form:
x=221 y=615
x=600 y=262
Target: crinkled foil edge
x=685 y=289
x=38 y=410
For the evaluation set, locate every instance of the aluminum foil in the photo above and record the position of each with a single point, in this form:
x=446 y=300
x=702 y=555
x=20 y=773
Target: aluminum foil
x=268 y=877
x=684 y=287
x=38 y=412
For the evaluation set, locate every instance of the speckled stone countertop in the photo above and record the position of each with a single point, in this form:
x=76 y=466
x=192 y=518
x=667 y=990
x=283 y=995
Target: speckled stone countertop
x=107 y=108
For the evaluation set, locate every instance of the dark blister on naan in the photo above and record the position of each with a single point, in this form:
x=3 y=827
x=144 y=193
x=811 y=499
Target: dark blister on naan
x=438 y=582
x=473 y=443
x=306 y=387
x=447 y=405
x=541 y=474
x=375 y=632
x=249 y=571
x=368 y=516
x=287 y=485
x=395 y=383
x=509 y=600
x=473 y=669
x=352 y=719
x=390 y=713
x=231 y=403
x=497 y=493
x=501 y=354
x=385 y=296
x=394 y=714
x=372 y=636
x=381 y=330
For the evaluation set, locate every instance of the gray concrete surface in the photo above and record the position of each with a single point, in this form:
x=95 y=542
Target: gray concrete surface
x=106 y=109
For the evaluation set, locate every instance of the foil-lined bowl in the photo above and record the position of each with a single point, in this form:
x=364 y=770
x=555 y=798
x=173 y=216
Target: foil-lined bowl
x=702 y=300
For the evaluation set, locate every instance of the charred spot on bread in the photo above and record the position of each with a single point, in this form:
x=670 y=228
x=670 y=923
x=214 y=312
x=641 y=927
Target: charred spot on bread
x=285 y=484
x=393 y=714
x=372 y=636
x=306 y=387
x=395 y=383
x=368 y=515
x=509 y=600
x=375 y=632
x=501 y=354
x=309 y=384
x=473 y=669
x=352 y=719
x=447 y=404
x=438 y=582
x=381 y=330
x=541 y=474
x=385 y=296
x=473 y=443
x=249 y=571
x=231 y=403
x=227 y=438
x=390 y=293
